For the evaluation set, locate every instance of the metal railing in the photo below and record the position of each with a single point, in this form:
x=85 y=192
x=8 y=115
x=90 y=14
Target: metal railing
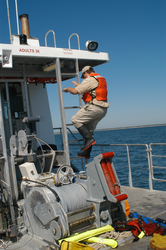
x=149 y=178
x=139 y=160
x=157 y=167
x=130 y=179
x=150 y=165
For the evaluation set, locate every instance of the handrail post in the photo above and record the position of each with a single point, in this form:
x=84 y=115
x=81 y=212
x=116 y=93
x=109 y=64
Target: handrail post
x=130 y=175
x=150 y=164
x=102 y=149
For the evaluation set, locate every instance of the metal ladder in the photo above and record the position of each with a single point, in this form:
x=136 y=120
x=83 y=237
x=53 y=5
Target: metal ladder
x=78 y=80
x=59 y=76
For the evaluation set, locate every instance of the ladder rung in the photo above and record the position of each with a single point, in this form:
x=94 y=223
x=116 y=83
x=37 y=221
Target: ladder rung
x=69 y=124
x=75 y=141
x=73 y=107
x=69 y=74
x=74 y=158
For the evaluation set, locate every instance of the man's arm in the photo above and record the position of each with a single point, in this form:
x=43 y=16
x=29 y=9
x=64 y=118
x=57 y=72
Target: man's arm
x=70 y=90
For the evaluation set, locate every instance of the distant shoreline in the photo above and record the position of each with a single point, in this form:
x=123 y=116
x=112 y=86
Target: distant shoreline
x=140 y=126
x=128 y=127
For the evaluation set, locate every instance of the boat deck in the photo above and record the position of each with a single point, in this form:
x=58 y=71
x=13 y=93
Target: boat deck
x=148 y=203
x=145 y=202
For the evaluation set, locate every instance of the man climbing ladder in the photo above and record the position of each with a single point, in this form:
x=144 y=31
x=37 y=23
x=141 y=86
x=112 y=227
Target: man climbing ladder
x=94 y=93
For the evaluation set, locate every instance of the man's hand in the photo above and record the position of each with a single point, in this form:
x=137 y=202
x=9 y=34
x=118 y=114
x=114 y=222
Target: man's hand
x=75 y=83
x=65 y=90
x=70 y=90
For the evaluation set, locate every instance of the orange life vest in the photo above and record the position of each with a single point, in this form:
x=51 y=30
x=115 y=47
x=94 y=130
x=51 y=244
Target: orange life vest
x=101 y=90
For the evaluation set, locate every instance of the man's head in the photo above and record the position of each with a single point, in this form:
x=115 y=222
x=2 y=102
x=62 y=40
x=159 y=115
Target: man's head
x=87 y=69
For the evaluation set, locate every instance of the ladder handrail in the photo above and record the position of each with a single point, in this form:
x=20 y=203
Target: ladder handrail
x=78 y=39
x=53 y=36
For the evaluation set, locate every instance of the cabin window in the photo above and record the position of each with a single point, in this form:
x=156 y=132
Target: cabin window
x=16 y=106
x=16 y=102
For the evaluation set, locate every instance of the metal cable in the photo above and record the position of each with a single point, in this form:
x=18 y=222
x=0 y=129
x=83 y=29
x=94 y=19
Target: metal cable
x=74 y=195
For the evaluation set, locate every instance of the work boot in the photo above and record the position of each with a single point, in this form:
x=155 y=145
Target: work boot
x=85 y=153
x=88 y=139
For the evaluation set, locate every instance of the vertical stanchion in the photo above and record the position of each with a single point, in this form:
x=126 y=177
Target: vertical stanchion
x=130 y=175
x=150 y=166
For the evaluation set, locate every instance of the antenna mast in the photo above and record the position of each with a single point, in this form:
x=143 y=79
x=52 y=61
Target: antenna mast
x=18 y=32
x=8 y=13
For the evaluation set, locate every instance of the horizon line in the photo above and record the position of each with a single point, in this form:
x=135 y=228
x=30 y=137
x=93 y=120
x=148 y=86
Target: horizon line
x=135 y=126
x=127 y=127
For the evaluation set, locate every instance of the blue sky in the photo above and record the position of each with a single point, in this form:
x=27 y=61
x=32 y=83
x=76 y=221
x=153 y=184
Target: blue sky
x=133 y=32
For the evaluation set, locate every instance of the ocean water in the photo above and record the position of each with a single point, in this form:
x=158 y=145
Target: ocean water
x=138 y=154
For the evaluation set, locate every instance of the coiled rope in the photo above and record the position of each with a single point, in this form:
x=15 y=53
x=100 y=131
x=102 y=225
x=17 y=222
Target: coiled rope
x=111 y=235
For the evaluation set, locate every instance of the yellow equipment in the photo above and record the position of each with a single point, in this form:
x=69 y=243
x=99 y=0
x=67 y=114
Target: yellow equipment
x=158 y=242
x=88 y=234
x=65 y=245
